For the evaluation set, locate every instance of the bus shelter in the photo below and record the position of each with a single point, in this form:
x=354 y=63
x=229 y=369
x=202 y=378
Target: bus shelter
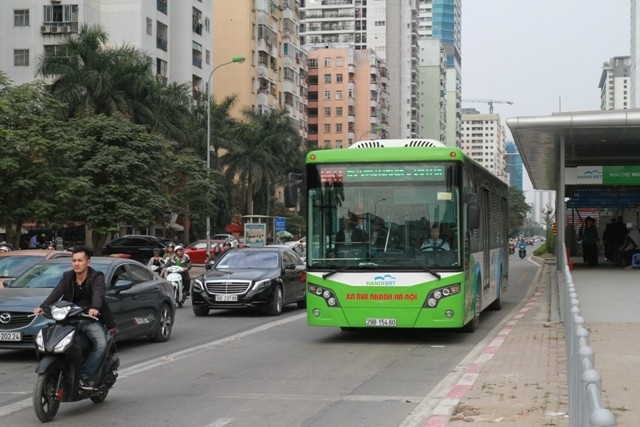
x=591 y=159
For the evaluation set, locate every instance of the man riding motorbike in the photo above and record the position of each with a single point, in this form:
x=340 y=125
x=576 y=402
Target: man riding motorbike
x=85 y=287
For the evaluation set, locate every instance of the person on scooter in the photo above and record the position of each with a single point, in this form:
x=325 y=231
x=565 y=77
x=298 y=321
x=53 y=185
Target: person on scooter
x=182 y=260
x=85 y=287
x=522 y=246
x=156 y=262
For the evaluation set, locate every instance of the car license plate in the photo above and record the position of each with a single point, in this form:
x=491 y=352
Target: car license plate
x=226 y=298
x=380 y=322
x=10 y=336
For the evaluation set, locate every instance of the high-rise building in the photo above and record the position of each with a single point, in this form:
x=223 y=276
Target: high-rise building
x=441 y=20
x=348 y=97
x=433 y=88
x=388 y=27
x=177 y=38
x=634 y=102
x=275 y=73
x=513 y=165
x=483 y=139
x=615 y=84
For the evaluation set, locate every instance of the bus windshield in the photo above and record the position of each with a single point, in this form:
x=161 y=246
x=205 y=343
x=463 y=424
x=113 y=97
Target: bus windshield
x=387 y=215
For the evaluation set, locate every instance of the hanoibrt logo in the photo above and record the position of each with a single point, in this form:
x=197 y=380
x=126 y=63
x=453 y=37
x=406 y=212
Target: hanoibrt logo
x=386 y=280
x=589 y=174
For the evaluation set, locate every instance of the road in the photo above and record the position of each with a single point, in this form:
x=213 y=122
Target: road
x=245 y=369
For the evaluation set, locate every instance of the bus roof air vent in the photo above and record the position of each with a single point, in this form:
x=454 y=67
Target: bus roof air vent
x=369 y=144
x=424 y=143
x=388 y=143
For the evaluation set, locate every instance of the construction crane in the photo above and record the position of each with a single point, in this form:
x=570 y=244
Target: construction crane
x=488 y=101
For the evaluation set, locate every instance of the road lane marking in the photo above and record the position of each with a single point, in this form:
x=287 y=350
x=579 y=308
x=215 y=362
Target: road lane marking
x=162 y=360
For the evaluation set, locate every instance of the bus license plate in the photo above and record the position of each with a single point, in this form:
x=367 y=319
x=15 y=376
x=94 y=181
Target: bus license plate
x=10 y=336
x=226 y=298
x=381 y=322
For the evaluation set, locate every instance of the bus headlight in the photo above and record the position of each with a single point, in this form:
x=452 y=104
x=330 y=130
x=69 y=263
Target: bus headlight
x=326 y=294
x=437 y=295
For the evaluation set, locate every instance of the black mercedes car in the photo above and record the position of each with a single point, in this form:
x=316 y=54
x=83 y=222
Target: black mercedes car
x=264 y=277
x=137 y=247
x=141 y=301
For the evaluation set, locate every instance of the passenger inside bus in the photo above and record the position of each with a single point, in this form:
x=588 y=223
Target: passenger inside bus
x=351 y=240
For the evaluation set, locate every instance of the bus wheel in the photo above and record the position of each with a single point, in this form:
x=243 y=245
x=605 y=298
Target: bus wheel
x=473 y=324
x=497 y=304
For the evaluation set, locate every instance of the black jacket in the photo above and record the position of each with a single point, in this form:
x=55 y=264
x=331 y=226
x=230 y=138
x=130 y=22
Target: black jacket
x=65 y=289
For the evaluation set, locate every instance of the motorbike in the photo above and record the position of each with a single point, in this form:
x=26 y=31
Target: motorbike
x=512 y=248
x=522 y=252
x=61 y=350
x=174 y=275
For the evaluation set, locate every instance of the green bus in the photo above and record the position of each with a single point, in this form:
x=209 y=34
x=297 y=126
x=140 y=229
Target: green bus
x=403 y=234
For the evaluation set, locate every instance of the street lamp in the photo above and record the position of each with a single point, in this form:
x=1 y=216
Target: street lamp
x=234 y=60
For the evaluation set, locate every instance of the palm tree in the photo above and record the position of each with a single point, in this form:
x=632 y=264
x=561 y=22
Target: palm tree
x=95 y=79
x=265 y=147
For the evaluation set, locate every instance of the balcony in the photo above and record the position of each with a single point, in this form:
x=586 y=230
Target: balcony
x=162 y=6
x=161 y=43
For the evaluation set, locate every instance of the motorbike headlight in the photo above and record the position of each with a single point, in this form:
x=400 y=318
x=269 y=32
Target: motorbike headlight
x=59 y=313
x=40 y=341
x=197 y=285
x=262 y=284
x=64 y=343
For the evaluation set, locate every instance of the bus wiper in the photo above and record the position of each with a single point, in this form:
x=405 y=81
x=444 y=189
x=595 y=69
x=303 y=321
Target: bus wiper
x=346 y=267
x=428 y=270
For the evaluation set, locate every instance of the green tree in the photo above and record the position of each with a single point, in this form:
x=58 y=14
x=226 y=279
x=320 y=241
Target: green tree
x=117 y=176
x=92 y=78
x=265 y=148
x=518 y=210
x=34 y=143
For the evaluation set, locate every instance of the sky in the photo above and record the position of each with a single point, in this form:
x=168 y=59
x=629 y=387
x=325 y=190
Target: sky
x=543 y=55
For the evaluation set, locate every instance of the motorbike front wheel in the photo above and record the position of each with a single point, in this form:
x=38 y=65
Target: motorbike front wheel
x=45 y=400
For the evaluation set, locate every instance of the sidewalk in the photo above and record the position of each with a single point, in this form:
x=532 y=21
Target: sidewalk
x=522 y=380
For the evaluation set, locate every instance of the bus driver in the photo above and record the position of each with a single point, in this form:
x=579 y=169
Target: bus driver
x=435 y=243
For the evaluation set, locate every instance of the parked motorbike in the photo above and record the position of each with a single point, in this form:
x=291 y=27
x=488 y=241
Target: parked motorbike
x=174 y=275
x=61 y=350
x=522 y=252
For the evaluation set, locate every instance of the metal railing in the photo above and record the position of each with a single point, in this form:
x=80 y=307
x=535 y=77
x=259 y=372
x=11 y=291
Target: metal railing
x=583 y=380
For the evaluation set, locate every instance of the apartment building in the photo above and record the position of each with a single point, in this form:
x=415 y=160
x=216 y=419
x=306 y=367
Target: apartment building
x=348 y=96
x=483 y=139
x=441 y=20
x=390 y=29
x=177 y=35
x=274 y=74
x=615 y=84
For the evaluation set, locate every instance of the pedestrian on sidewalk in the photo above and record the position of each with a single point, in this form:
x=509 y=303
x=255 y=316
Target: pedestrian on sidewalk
x=590 y=241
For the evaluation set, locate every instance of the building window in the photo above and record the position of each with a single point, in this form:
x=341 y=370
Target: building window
x=338 y=127
x=161 y=5
x=327 y=111
x=327 y=95
x=338 y=143
x=327 y=143
x=61 y=14
x=339 y=78
x=327 y=128
x=54 y=49
x=338 y=94
x=339 y=61
x=149 y=27
x=327 y=78
x=327 y=62
x=21 y=57
x=21 y=18
x=338 y=111
x=312 y=63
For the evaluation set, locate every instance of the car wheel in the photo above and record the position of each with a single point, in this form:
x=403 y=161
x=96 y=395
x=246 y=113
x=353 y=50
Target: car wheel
x=275 y=305
x=302 y=303
x=200 y=310
x=164 y=326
